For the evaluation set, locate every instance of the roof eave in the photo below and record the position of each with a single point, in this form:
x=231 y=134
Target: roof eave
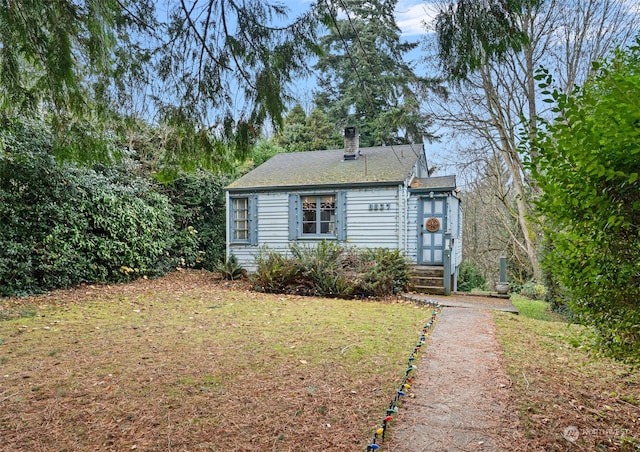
x=336 y=185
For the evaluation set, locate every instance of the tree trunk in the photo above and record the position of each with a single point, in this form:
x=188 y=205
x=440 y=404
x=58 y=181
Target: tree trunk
x=516 y=170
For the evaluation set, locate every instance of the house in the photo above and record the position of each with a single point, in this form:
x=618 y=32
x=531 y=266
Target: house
x=367 y=197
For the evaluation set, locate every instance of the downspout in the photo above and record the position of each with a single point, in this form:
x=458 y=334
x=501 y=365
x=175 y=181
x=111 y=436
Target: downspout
x=446 y=260
x=402 y=220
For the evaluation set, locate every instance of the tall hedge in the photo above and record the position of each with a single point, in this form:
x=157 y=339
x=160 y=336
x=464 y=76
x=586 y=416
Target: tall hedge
x=62 y=224
x=588 y=166
x=198 y=202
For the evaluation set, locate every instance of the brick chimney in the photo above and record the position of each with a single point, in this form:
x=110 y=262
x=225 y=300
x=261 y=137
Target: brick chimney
x=351 y=143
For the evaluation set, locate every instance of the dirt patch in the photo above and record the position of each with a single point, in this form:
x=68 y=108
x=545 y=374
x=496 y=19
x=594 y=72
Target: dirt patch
x=460 y=397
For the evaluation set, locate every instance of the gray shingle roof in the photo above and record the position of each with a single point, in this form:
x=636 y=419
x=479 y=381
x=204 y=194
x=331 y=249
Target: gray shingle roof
x=435 y=182
x=377 y=164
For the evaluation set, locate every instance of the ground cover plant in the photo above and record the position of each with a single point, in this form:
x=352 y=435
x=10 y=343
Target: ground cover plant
x=567 y=397
x=188 y=363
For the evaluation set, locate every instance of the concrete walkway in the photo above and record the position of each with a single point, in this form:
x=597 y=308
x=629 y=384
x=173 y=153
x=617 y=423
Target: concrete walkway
x=458 y=300
x=460 y=391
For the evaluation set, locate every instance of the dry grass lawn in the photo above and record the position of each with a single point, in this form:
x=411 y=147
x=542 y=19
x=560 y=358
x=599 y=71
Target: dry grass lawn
x=567 y=398
x=188 y=363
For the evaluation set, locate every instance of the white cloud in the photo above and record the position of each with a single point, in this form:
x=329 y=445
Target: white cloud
x=411 y=16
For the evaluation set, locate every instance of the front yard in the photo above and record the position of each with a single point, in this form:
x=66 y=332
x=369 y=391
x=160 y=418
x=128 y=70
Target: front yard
x=567 y=397
x=188 y=363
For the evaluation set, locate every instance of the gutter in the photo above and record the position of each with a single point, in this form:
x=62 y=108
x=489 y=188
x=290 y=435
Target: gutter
x=370 y=184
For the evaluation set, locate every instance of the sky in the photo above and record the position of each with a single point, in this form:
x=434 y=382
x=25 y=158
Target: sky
x=410 y=14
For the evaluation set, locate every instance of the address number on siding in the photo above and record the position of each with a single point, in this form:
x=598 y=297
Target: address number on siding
x=380 y=206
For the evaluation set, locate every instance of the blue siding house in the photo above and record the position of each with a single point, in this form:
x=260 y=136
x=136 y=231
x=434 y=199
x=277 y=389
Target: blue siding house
x=376 y=197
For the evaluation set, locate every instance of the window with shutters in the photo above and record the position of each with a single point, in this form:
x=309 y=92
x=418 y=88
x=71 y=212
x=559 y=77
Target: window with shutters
x=243 y=219
x=317 y=216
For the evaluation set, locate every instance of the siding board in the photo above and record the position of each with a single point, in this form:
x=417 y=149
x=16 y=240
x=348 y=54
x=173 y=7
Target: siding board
x=375 y=218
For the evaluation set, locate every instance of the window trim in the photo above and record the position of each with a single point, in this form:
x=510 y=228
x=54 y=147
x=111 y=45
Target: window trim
x=252 y=215
x=296 y=215
x=318 y=217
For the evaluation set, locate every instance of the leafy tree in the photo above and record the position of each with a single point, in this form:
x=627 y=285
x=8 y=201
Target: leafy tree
x=489 y=51
x=364 y=80
x=300 y=133
x=490 y=225
x=292 y=138
x=321 y=133
x=260 y=153
x=215 y=71
x=588 y=164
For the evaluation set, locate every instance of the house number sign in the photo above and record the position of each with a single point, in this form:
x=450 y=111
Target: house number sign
x=380 y=206
x=432 y=224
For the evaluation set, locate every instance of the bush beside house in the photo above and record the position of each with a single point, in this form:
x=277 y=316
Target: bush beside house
x=331 y=270
x=64 y=224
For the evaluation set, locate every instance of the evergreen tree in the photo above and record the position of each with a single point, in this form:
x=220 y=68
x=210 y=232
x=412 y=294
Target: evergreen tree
x=214 y=70
x=471 y=33
x=364 y=80
x=321 y=133
x=308 y=133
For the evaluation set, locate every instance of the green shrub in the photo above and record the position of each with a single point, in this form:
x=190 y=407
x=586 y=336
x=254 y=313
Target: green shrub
x=533 y=290
x=386 y=272
x=330 y=269
x=63 y=224
x=275 y=272
x=470 y=277
x=198 y=203
x=318 y=266
x=587 y=165
x=231 y=269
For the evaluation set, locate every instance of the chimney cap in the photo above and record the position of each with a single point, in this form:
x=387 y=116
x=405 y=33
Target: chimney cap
x=350 y=132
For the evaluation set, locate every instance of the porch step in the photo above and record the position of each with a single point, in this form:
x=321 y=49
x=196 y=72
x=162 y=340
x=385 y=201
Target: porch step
x=428 y=279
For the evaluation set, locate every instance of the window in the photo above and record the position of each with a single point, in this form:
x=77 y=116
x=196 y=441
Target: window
x=319 y=215
x=240 y=225
x=243 y=221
